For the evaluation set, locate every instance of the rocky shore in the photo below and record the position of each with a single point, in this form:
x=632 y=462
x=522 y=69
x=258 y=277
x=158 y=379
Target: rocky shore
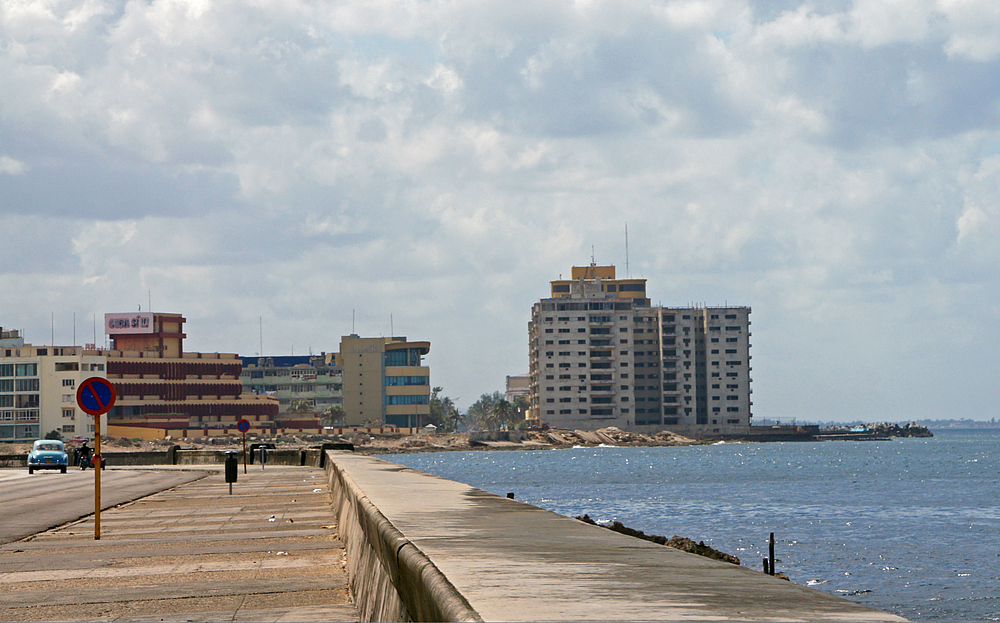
x=386 y=443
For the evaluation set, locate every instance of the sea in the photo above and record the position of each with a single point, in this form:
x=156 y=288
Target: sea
x=909 y=526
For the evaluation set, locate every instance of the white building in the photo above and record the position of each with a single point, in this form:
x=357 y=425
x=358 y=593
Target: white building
x=601 y=355
x=38 y=390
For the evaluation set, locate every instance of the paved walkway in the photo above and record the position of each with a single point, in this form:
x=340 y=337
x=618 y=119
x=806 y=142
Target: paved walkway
x=269 y=552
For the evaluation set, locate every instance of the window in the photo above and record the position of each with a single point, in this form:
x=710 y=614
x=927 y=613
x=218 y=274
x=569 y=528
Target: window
x=550 y=400
x=563 y=342
x=69 y=428
x=550 y=389
x=548 y=330
x=733 y=363
x=566 y=399
x=563 y=330
x=69 y=413
x=732 y=339
x=549 y=377
x=27 y=385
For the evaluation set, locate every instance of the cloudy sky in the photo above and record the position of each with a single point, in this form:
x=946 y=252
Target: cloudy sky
x=835 y=165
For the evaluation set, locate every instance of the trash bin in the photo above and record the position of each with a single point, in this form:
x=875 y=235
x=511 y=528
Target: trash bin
x=232 y=466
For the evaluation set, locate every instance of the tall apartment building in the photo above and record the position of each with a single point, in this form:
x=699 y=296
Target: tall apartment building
x=315 y=379
x=38 y=389
x=601 y=355
x=384 y=380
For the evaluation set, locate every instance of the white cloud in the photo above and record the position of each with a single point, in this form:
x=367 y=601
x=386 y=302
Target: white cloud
x=10 y=166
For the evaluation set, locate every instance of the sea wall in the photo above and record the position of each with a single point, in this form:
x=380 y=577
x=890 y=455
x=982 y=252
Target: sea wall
x=390 y=578
x=423 y=548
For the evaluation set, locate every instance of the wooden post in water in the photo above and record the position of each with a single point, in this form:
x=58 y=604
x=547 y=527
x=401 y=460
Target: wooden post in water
x=770 y=555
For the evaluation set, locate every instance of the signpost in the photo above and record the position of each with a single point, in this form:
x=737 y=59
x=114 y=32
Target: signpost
x=243 y=426
x=96 y=396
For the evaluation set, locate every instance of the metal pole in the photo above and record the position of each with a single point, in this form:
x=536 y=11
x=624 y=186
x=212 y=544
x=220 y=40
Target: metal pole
x=770 y=555
x=97 y=478
x=244 y=453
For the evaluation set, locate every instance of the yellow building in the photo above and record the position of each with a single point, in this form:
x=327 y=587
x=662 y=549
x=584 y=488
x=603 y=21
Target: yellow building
x=385 y=381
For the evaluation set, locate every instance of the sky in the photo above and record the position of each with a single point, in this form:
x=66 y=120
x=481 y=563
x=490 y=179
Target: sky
x=283 y=172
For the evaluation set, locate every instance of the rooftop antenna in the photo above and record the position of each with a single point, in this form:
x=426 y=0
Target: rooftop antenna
x=627 y=273
x=392 y=332
x=149 y=300
x=353 y=329
x=95 y=330
x=74 y=329
x=261 y=336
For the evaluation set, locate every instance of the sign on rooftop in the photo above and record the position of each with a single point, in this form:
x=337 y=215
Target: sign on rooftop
x=136 y=322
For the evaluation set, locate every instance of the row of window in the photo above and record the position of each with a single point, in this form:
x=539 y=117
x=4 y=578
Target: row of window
x=18 y=369
x=406 y=400
x=19 y=415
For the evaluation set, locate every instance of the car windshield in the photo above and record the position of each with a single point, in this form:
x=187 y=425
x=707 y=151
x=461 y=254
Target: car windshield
x=51 y=447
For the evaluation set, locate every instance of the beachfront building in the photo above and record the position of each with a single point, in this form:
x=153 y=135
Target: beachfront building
x=384 y=381
x=291 y=379
x=38 y=389
x=601 y=355
x=164 y=390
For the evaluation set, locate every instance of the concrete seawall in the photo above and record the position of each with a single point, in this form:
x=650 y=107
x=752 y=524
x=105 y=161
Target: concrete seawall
x=424 y=548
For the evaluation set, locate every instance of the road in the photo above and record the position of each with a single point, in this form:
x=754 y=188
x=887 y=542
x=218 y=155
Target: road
x=46 y=499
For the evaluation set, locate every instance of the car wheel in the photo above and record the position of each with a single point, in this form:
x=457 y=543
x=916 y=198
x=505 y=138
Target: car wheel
x=62 y=470
x=31 y=470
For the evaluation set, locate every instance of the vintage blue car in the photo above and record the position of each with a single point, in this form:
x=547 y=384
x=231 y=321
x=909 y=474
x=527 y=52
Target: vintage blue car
x=48 y=454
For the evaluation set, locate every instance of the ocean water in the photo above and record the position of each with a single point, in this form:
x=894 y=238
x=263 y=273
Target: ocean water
x=909 y=526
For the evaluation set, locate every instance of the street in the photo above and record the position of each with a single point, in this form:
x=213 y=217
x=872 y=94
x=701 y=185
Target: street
x=45 y=499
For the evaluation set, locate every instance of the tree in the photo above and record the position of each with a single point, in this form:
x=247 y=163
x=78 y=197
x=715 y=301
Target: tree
x=492 y=412
x=333 y=415
x=444 y=415
x=54 y=434
x=300 y=405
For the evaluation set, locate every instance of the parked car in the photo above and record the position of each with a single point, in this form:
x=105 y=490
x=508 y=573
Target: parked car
x=48 y=454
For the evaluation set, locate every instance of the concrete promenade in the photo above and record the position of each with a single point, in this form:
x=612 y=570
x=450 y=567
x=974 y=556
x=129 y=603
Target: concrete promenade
x=269 y=552
x=484 y=557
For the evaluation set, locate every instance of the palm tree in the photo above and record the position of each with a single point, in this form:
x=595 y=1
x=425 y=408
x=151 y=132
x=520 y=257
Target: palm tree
x=333 y=415
x=300 y=405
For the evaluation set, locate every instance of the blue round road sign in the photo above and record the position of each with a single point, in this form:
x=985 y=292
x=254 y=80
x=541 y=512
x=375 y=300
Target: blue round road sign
x=96 y=396
x=243 y=426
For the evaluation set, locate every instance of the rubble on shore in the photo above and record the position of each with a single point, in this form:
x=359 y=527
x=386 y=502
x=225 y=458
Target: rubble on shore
x=677 y=542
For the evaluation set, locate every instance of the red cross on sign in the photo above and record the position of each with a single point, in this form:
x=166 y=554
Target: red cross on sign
x=96 y=396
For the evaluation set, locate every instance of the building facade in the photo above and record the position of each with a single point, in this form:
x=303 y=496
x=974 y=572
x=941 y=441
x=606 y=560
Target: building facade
x=601 y=355
x=166 y=390
x=384 y=381
x=38 y=390
x=316 y=379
